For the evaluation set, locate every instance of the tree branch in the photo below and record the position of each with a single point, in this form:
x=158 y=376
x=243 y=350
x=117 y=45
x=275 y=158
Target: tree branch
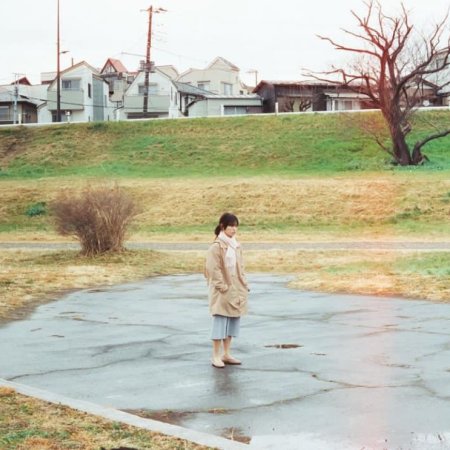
x=418 y=145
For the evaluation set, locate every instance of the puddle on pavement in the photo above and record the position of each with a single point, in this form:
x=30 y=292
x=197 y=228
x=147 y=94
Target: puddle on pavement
x=284 y=346
x=167 y=416
x=235 y=434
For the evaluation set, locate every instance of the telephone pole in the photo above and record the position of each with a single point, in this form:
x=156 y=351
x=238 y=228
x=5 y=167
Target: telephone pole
x=147 y=67
x=58 y=68
x=147 y=59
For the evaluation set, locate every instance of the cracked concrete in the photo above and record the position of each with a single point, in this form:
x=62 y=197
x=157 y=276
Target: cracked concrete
x=367 y=373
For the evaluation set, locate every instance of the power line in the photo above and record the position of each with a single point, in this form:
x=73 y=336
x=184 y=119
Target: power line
x=27 y=97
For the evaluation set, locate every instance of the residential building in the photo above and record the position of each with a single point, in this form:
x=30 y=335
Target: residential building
x=220 y=77
x=190 y=101
x=119 y=79
x=299 y=96
x=84 y=96
x=19 y=102
x=160 y=82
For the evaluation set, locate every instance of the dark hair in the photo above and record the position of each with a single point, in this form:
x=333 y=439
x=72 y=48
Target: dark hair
x=226 y=219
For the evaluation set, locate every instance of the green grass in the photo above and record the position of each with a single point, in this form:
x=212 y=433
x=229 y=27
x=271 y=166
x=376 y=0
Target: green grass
x=256 y=145
x=426 y=264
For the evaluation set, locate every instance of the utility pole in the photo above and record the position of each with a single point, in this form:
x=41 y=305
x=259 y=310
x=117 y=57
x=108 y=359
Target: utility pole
x=58 y=69
x=147 y=59
x=147 y=67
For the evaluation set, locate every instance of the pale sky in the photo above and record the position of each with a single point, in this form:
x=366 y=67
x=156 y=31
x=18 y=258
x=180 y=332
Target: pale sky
x=277 y=38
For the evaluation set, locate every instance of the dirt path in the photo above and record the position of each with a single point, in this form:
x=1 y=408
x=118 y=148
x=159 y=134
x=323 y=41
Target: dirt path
x=184 y=246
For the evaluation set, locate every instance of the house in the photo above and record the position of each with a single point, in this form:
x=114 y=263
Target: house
x=84 y=96
x=191 y=101
x=219 y=77
x=435 y=87
x=298 y=96
x=19 y=102
x=159 y=87
x=119 y=79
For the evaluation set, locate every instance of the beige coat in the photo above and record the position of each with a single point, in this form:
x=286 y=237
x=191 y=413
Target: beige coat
x=227 y=293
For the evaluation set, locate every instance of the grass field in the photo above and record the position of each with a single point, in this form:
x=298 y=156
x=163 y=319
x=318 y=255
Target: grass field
x=369 y=206
x=243 y=146
x=288 y=178
x=302 y=176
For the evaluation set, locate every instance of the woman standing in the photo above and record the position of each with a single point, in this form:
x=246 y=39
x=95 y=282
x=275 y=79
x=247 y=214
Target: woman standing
x=228 y=288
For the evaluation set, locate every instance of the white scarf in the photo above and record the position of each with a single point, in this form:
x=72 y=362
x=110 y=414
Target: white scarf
x=230 y=256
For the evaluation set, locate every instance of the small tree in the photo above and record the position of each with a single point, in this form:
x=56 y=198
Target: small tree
x=392 y=69
x=98 y=218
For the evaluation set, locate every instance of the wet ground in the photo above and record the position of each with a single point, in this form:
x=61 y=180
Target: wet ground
x=319 y=370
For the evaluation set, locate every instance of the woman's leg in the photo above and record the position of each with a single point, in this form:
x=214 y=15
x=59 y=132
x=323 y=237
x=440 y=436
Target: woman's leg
x=216 y=359
x=227 y=358
x=226 y=347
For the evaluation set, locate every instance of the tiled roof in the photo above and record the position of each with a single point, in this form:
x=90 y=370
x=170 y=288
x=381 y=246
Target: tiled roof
x=117 y=64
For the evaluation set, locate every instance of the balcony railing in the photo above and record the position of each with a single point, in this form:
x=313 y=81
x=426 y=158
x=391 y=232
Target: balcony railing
x=72 y=99
x=135 y=103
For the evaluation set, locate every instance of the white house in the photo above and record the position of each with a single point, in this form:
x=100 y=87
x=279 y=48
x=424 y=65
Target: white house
x=19 y=102
x=190 y=101
x=160 y=82
x=118 y=78
x=219 y=77
x=84 y=96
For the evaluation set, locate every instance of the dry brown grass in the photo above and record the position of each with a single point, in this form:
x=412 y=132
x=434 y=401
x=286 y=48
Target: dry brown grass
x=383 y=273
x=27 y=423
x=348 y=207
x=31 y=277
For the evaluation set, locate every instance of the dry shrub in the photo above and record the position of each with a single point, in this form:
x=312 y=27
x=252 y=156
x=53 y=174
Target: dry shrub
x=98 y=218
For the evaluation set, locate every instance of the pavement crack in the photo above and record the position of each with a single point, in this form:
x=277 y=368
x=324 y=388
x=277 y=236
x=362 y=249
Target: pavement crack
x=72 y=369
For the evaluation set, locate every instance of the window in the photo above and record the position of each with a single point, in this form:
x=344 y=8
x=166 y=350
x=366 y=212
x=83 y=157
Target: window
x=4 y=113
x=203 y=85
x=152 y=89
x=227 y=89
x=89 y=90
x=342 y=105
x=70 y=85
x=232 y=110
x=118 y=85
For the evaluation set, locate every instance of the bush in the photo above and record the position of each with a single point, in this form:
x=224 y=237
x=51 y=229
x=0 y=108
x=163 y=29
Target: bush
x=37 y=209
x=98 y=218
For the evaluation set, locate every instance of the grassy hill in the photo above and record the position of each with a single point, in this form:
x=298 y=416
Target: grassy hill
x=282 y=145
x=312 y=176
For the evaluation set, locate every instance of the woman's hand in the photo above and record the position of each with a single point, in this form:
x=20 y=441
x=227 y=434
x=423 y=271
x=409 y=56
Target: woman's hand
x=222 y=289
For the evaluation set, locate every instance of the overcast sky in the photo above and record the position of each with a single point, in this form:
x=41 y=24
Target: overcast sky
x=277 y=38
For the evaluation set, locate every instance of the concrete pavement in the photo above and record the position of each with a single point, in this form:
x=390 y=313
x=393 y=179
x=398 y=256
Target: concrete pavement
x=320 y=371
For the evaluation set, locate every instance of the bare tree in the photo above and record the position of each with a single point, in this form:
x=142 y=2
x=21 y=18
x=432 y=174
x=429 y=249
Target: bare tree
x=305 y=104
x=392 y=68
x=286 y=104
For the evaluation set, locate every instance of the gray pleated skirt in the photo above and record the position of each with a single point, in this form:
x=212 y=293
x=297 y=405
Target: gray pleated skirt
x=222 y=327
